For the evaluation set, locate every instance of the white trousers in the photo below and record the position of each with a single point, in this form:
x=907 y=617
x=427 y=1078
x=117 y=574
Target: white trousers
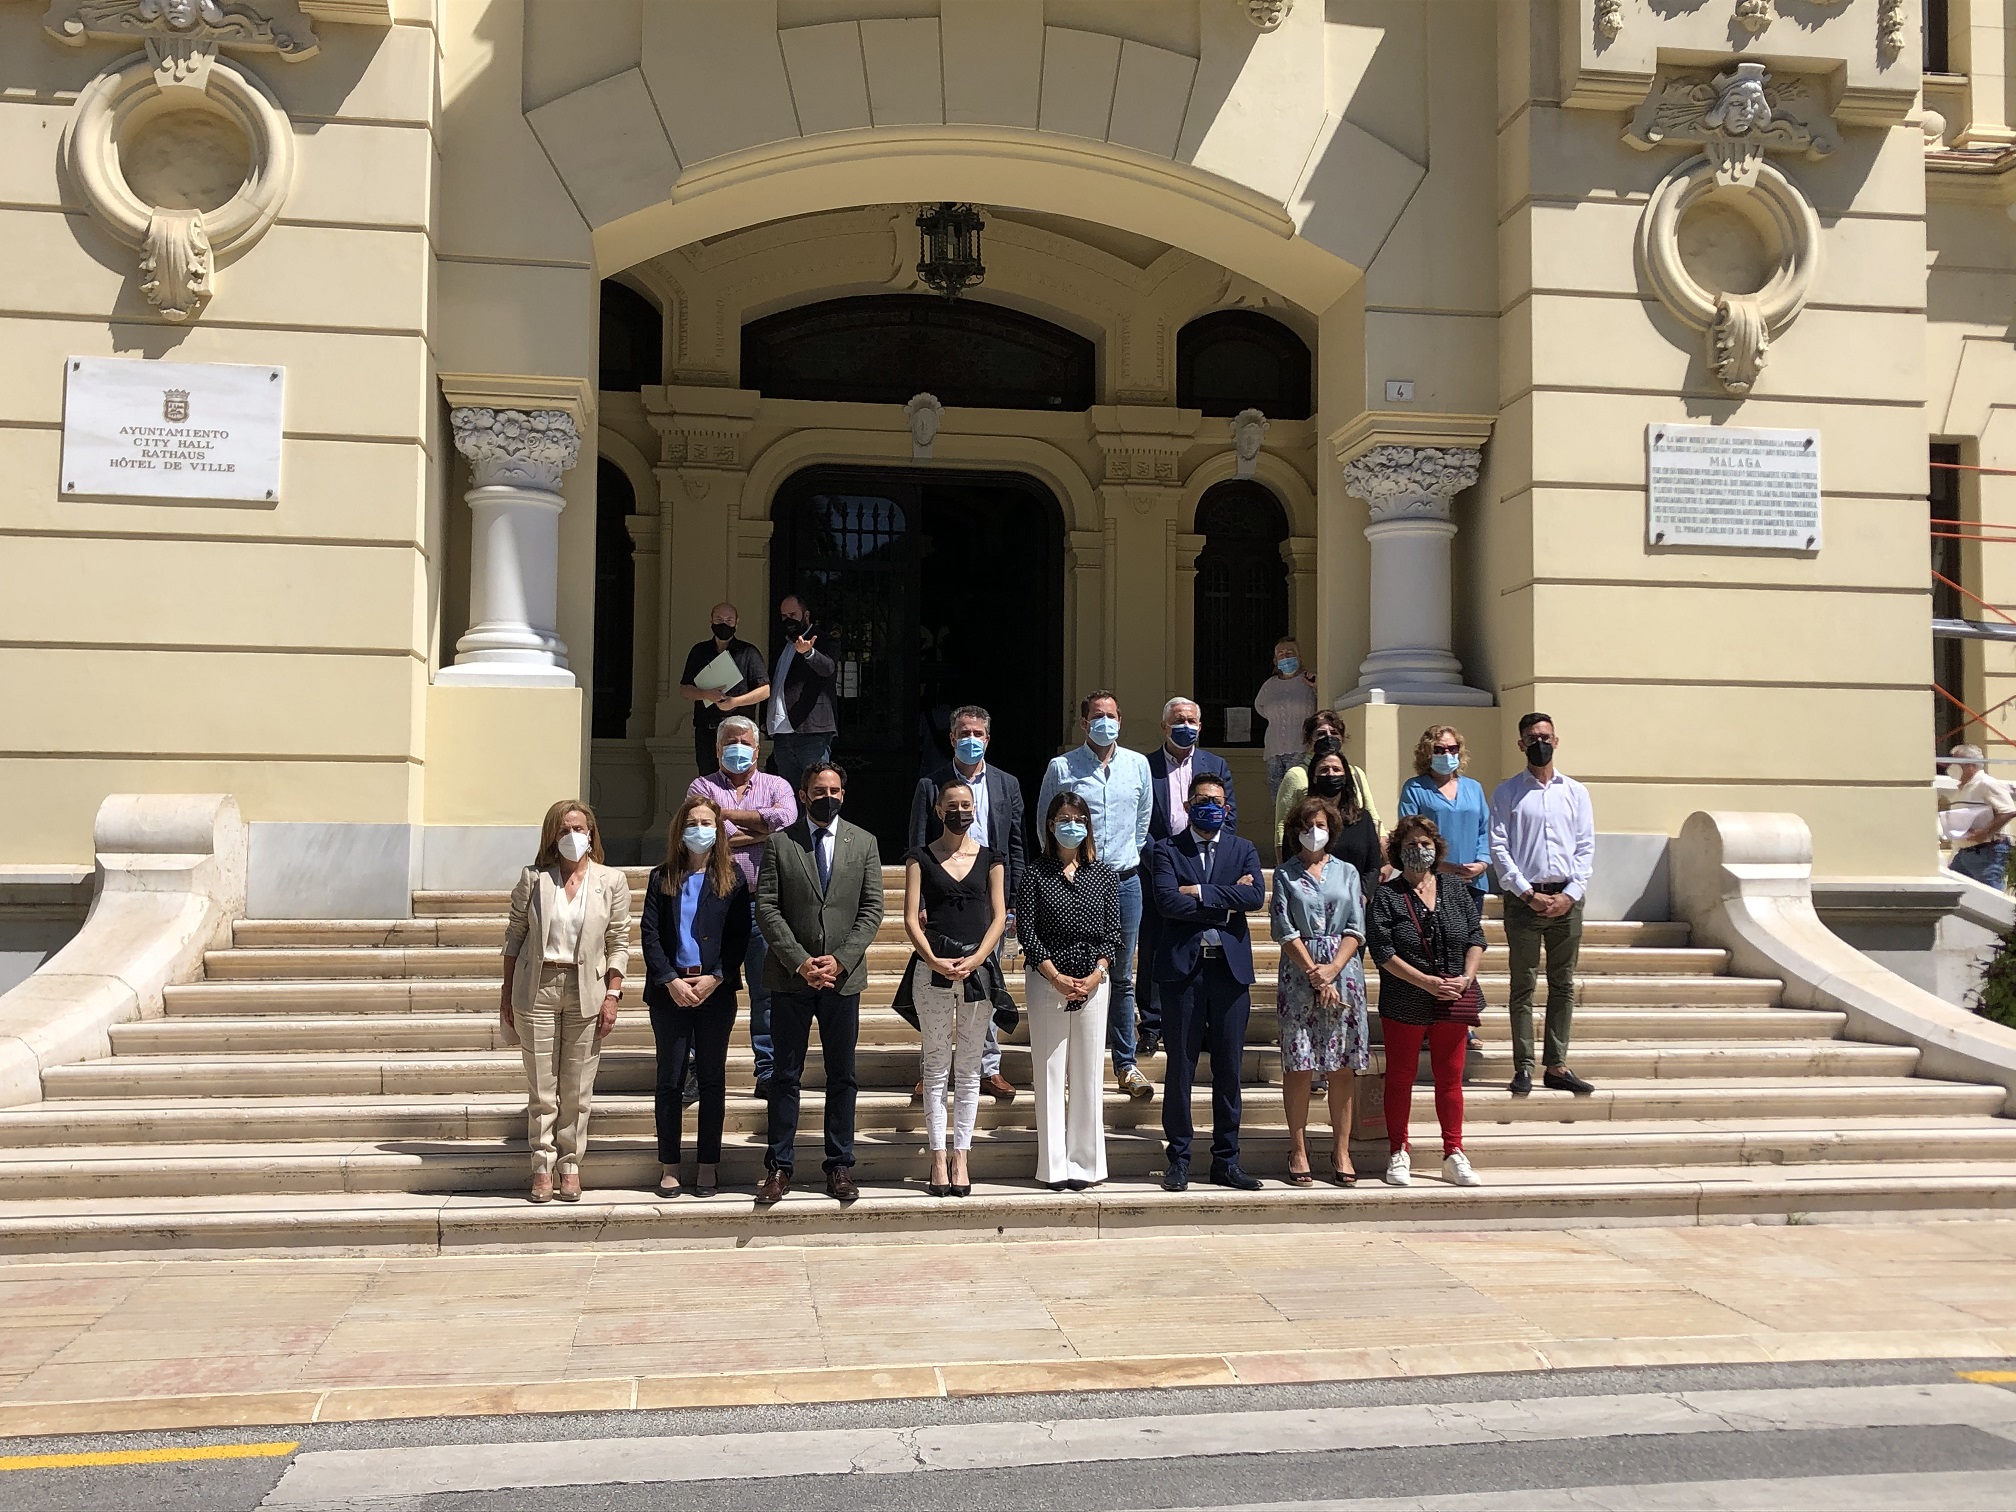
x=955 y=1039
x=560 y=1053
x=1069 y=1054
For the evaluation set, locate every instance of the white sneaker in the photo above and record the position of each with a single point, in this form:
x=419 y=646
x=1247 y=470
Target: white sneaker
x=1456 y=1170
x=1399 y=1172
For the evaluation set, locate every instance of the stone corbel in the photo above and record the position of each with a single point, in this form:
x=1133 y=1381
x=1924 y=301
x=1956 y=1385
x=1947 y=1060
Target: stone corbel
x=1736 y=116
x=180 y=249
x=700 y=426
x=1143 y=445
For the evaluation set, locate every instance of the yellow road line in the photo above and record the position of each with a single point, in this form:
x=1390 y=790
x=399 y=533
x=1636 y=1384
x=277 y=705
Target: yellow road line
x=146 y=1456
x=1990 y=1377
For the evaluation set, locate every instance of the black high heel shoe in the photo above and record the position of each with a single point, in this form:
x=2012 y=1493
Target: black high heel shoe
x=961 y=1191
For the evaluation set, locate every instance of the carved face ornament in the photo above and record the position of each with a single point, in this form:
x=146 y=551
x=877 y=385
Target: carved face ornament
x=181 y=15
x=1268 y=14
x=1246 y=440
x=1741 y=105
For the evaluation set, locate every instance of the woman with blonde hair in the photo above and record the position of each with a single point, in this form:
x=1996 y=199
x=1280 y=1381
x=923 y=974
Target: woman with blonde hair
x=1455 y=802
x=696 y=933
x=566 y=948
x=1318 y=918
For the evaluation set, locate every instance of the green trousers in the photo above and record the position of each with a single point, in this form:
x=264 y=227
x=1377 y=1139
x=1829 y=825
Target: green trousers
x=1526 y=933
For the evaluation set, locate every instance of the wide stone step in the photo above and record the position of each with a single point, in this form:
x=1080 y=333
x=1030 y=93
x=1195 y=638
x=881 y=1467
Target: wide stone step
x=413 y=1223
x=480 y=995
x=487 y=930
x=629 y=1160
x=406 y=962
x=1750 y=1102
x=625 y=1069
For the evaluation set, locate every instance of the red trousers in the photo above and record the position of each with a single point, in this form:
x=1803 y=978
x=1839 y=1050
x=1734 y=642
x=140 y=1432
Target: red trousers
x=1447 y=1044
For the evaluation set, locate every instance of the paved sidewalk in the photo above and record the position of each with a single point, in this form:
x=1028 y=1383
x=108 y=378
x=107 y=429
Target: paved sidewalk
x=98 y=1346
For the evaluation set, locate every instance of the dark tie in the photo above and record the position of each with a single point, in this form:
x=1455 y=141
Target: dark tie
x=821 y=839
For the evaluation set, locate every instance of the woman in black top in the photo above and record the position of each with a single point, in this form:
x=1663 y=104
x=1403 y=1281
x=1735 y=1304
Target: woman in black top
x=954 y=912
x=1067 y=917
x=1427 y=936
x=1357 y=838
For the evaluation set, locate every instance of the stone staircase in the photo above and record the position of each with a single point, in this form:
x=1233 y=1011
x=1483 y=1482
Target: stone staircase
x=343 y=1085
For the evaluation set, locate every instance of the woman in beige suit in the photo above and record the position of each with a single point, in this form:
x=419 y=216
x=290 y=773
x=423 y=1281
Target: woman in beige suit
x=565 y=952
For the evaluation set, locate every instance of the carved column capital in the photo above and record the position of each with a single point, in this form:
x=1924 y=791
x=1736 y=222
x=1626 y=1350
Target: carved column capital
x=1412 y=482
x=516 y=448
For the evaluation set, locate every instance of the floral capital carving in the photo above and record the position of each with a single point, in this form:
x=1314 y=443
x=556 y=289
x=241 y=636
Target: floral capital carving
x=516 y=448
x=1412 y=482
x=1610 y=17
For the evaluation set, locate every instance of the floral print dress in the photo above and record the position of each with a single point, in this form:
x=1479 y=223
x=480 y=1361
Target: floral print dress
x=1321 y=912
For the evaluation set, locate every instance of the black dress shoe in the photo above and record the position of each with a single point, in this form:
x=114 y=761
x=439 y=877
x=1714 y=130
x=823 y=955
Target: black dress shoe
x=1565 y=1080
x=761 y=1091
x=1522 y=1082
x=1226 y=1173
x=1078 y=1186
x=1149 y=1046
x=1177 y=1177
x=1058 y=1186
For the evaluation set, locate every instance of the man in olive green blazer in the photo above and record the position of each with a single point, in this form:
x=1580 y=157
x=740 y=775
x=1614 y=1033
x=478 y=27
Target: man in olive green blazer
x=818 y=904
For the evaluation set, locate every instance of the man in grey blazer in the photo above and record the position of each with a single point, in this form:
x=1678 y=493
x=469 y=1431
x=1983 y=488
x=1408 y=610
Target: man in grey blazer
x=818 y=904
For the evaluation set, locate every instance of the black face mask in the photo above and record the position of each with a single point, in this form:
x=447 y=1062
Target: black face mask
x=1329 y=786
x=794 y=628
x=824 y=809
x=1327 y=745
x=1539 y=753
x=958 y=821
x=723 y=632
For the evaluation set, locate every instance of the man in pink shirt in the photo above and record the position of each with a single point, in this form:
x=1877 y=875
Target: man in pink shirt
x=754 y=806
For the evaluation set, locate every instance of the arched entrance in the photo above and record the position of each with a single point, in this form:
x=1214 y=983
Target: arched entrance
x=932 y=588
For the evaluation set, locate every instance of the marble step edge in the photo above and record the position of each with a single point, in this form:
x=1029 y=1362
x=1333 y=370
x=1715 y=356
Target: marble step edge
x=1512 y=1198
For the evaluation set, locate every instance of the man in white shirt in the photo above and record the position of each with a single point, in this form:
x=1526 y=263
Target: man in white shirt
x=1982 y=850
x=1543 y=846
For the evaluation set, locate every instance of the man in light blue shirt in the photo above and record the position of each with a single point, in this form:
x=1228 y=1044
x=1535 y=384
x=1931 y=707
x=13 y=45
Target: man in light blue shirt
x=1117 y=789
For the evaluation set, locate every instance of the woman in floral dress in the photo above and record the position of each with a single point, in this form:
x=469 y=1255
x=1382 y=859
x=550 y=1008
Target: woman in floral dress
x=1318 y=914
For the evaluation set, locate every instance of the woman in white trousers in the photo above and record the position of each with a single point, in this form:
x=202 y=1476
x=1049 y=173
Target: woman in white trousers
x=1067 y=917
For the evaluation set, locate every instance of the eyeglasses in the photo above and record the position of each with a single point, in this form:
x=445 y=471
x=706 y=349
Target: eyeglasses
x=1448 y=750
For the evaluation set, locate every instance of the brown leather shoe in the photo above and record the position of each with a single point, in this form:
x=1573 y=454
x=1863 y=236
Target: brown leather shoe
x=542 y=1186
x=775 y=1184
x=840 y=1185
x=998 y=1086
x=569 y=1189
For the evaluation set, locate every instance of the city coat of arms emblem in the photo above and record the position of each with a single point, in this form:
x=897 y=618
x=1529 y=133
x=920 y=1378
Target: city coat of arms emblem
x=175 y=405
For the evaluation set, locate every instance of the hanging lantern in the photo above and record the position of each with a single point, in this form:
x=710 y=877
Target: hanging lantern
x=948 y=257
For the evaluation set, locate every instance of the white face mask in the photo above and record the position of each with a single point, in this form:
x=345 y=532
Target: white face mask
x=573 y=844
x=1316 y=840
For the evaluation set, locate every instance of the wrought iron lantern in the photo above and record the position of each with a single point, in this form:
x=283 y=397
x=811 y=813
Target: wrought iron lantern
x=948 y=237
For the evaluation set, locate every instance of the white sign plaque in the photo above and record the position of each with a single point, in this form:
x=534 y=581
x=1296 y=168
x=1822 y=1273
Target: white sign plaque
x=171 y=430
x=1716 y=485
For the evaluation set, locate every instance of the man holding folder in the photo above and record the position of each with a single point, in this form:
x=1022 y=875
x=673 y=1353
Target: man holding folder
x=724 y=675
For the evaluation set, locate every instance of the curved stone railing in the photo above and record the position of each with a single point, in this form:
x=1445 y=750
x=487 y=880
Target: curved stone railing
x=1744 y=882
x=170 y=879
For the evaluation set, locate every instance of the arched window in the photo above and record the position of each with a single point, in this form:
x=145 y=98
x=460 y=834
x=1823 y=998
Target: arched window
x=615 y=599
x=1234 y=359
x=1242 y=599
x=883 y=348
x=633 y=340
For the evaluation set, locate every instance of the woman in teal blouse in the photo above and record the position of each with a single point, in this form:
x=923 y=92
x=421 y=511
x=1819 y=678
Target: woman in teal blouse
x=1456 y=803
x=1318 y=918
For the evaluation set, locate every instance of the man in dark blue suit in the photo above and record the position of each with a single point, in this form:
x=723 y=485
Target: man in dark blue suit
x=1206 y=879
x=1173 y=767
x=997 y=813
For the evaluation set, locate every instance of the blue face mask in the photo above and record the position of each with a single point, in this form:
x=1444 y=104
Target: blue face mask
x=1445 y=762
x=738 y=758
x=1070 y=833
x=969 y=749
x=1288 y=666
x=1104 y=730
x=698 y=837
x=1183 y=736
x=1208 y=815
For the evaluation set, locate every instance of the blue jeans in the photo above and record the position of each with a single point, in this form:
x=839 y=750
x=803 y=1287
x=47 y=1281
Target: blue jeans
x=790 y=755
x=1277 y=772
x=759 y=998
x=1120 y=1008
x=1987 y=863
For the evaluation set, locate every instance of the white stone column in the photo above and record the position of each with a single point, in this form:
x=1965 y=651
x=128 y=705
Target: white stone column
x=1411 y=491
x=516 y=459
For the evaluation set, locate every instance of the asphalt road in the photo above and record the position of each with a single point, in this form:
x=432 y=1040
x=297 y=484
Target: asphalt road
x=1843 y=1437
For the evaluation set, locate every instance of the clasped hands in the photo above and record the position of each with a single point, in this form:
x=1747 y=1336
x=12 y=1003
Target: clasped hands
x=691 y=992
x=1550 y=905
x=1449 y=989
x=1323 y=978
x=958 y=970
x=1076 y=989
x=820 y=972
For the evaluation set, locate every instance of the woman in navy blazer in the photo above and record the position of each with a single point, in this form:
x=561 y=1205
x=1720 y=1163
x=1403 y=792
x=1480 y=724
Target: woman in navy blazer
x=696 y=931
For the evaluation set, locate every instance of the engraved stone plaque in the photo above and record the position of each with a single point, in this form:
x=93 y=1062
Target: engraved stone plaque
x=1718 y=485
x=171 y=430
